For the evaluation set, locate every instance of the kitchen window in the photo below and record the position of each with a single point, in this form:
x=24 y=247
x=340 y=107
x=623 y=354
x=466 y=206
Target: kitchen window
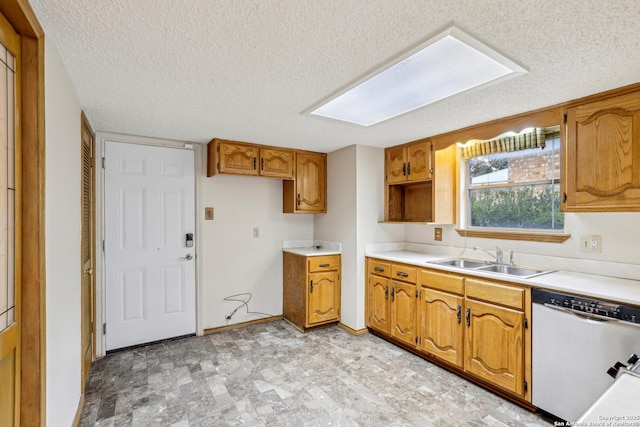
x=513 y=182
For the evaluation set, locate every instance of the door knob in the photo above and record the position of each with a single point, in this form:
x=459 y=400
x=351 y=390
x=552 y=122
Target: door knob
x=186 y=258
x=88 y=271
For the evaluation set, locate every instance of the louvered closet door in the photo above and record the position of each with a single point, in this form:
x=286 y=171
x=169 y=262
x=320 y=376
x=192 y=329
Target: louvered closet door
x=87 y=245
x=150 y=272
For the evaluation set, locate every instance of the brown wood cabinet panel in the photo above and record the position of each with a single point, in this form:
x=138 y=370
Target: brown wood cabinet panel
x=324 y=298
x=396 y=165
x=276 y=163
x=496 y=293
x=419 y=161
x=404 y=272
x=308 y=192
x=378 y=303
x=310 y=298
x=441 y=326
x=602 y=155
x=494 y=349
x=379 y=268
x=324 y=263
x=403 y=312
x=237 y=158
x=447 y=282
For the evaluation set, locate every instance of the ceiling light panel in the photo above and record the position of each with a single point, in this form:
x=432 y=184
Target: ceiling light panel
x=449 y=63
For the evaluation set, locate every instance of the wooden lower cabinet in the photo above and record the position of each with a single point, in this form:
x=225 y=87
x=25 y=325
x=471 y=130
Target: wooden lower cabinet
x=311 y=290
x=476 y=327
x=494 y=348
x=403 y=312
x=441 y=326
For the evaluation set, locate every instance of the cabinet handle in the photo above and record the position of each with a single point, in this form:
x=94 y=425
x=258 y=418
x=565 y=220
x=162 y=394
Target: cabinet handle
x=393 y=293
x=298 y=199
x=262 y=163
x=402 y=274
x=324 y=265
x=468 y=316
x=311 y=287
x=459 y=313
x=404 y=169
x=409 y=168
x=386 y=292
x=255 y=160
x=378 y=269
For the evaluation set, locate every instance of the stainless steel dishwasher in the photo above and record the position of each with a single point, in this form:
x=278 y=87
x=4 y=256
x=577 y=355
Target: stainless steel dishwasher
x=575 y=341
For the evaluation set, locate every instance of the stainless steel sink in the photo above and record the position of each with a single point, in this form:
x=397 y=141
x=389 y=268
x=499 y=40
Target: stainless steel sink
x=513 y=270
x=491 y=267
x=462 y=263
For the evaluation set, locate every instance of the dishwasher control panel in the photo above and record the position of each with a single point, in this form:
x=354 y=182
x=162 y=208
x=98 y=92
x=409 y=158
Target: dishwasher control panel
x=588 y=306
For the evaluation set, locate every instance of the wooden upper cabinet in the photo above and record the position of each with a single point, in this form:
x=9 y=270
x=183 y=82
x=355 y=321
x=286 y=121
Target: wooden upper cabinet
x=602 y=155
x=242 y=158
x=237 y=158
x=308 y=192
x=409 y=163
x=276 y=163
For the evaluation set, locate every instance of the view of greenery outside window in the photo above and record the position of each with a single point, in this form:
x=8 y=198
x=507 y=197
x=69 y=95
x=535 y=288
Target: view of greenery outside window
x=517 y=190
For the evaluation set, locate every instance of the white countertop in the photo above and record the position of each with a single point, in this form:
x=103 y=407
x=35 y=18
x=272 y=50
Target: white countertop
x=610 y=288
x=312 y=251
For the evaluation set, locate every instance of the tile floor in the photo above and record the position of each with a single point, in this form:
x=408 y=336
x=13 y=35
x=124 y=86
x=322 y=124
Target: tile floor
x=273 y=375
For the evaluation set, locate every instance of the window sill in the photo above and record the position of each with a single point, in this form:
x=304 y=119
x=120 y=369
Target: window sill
x=515 y=235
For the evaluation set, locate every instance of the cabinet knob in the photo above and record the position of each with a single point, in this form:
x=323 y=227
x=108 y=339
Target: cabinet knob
x=324 y=265
x=459 y=313
x=393 y=293
x=298 y=199
x=402 y=274
x=468 y=316
x=378 y=269
x=311 y=287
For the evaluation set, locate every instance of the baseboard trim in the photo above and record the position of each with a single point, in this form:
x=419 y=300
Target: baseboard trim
x=76 y=420
x=241 y=325
x=356 y=332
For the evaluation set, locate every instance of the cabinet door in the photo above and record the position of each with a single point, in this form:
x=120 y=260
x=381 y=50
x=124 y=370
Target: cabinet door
x=494 y=347
x=378 y=303
x=275 y=163
x=419 y=162
x=442 y=329
x=311 y=182
x=324 y=297
x=403 y=312
x=396 y=165
x=603 y=155
x=236 y=158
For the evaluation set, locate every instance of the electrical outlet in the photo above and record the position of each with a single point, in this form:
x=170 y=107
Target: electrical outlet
x=437 y=234
x=208 y=214
x=591 y=243
x=256 y=231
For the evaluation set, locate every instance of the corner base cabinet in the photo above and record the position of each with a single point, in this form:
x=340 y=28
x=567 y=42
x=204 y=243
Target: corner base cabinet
x=478 y=328
x=311 y=290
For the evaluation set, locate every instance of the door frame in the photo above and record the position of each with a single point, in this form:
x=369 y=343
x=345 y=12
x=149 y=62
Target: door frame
x=30 y=269
x=100 y=272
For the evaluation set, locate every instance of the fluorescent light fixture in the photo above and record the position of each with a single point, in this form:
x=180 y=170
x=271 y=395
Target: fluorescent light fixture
x=445 y=65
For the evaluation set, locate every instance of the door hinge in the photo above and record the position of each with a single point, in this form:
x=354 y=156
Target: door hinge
x=416 y=340
x=104 y=163
x=564 y=197
x=104 y=329
x=565 y=118
x=526 y=386
x=432 y=146
x=91 y=162
x=526 y=323
x=102 y=245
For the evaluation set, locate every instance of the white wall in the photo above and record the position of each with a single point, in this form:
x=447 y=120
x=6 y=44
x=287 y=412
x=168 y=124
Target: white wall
x=62 y=250
x=355 y=192
x=233 y=261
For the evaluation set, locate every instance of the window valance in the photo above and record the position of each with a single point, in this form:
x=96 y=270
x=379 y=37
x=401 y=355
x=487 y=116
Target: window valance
x=530 y=138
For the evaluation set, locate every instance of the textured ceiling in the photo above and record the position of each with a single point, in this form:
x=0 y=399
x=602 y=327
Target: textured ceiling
x=245 y=70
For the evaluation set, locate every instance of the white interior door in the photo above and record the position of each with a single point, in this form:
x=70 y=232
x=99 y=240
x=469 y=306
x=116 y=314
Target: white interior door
x=150 y=271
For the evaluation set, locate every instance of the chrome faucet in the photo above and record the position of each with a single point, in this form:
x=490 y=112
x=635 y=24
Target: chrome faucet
x=497 y=256
x=511 y=261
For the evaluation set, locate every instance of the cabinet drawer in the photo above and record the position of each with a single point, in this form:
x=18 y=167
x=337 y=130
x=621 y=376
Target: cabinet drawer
x=324 y=263
x=442 y=281
x=497 y=293
x=379 y=268
x=404 y=273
